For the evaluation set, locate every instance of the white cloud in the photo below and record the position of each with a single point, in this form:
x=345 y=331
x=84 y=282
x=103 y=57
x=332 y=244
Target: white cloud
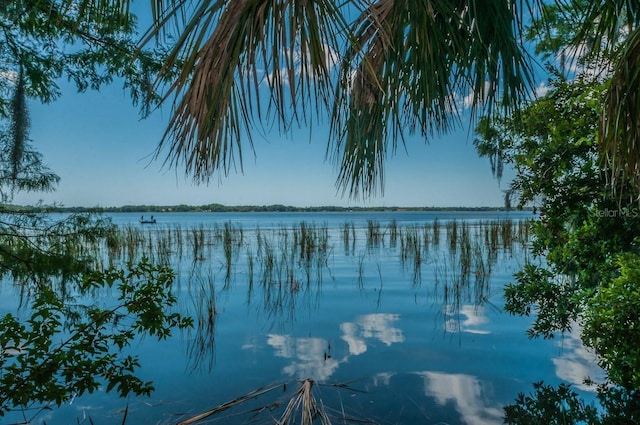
x=350 y=335
x=475 y=317
x=467 y=101
x=312 y=358
x=465 y=392
x=383 y=379
x=331 y=59
x=576 y=362
x=9 y=75
x=371 y=326
x=380 y=327
x=542 y=89
x=309 y=357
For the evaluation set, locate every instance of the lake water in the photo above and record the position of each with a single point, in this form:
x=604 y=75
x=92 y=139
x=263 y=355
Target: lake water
x=414 y=336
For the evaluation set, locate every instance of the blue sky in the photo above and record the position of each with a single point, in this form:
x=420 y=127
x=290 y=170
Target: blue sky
x=100 y=148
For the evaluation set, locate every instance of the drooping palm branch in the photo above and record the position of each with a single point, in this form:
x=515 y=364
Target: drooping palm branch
x=620 y=121
x=405 y=67
x=407 y=70
x=235 y=54
x=612 y=28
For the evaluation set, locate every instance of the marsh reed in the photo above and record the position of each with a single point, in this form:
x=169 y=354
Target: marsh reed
x=283 y=261
x=301 y=252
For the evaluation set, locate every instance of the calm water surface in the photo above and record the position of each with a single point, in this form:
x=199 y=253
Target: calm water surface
x=413 y=340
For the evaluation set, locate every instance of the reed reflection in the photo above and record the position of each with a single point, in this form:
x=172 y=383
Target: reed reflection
x=282 y=270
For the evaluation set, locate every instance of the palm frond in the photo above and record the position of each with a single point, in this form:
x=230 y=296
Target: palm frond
x=98 y=12
x=406 y=69
x=606 y=23
x=234 y=52
x=620 y=122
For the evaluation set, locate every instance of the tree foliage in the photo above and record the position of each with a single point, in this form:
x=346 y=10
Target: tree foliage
x=45 y=41
x=22 y=168
x=612 y=325
x=61 y=342
x=42 y=41
x=586 y=236
x=562 y=405
x=64 y=341
x=66 y=348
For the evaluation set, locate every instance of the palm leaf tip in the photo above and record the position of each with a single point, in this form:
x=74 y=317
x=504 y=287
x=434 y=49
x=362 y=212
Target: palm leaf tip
x=247 y=62
x=620 y=121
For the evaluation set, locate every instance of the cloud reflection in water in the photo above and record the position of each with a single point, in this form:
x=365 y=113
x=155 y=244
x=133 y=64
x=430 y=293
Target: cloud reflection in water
x=371 y=326
x=466 y=392
x=467 y=318
x=576 y=362
x=308 y=356
x=311 y=357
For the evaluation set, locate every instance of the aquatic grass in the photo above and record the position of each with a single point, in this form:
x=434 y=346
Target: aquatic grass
x=426 y=239
x=507 y=234
x=374 y=234
x=353 y=238
x=348 y=235
x=178 y=239
x=411 y=251
x=482 y=272
x=197 y=243
x=266 y=257
x=435 y=227
x=201 y=347
x=132 y=241
x=379 y=299
x=393 y=230
x=464 y=249
x=163 y=247
x=361 y=259
x=250 y=268
x=283 y=262
x=113 y=244
x=228 y=251
x=452 y=234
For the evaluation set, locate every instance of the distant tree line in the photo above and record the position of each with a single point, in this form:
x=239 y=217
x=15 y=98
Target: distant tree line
x=233 y=208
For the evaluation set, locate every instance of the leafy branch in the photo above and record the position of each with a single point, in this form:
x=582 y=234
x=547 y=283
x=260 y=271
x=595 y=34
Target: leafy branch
x=63 y=351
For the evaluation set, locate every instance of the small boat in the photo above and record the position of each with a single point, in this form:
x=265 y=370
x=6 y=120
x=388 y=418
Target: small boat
x=148 y=221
